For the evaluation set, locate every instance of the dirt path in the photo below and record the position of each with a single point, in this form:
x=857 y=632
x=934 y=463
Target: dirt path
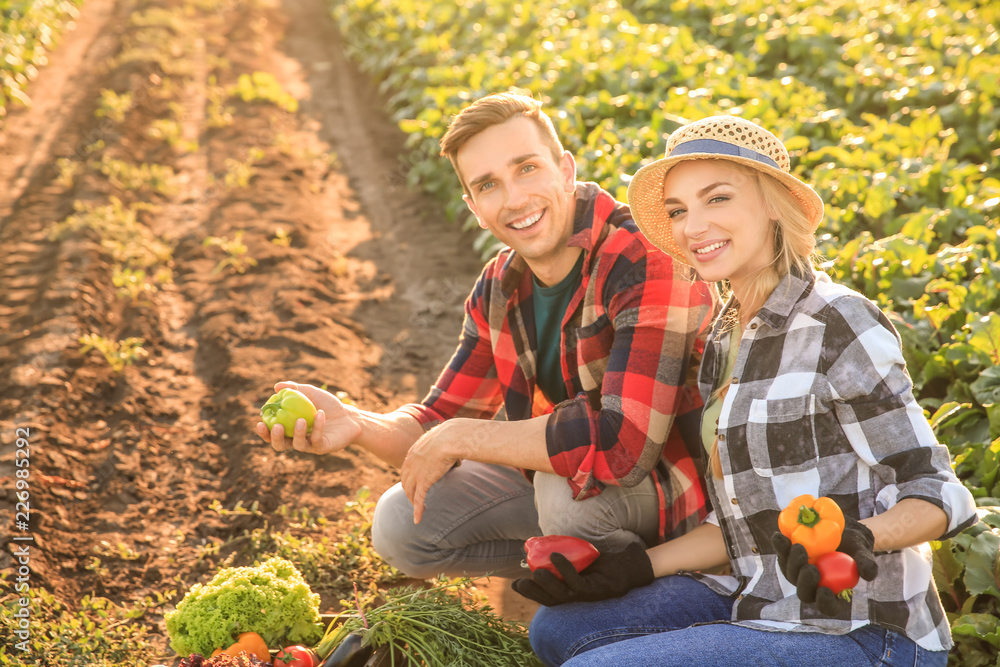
x=366 y=298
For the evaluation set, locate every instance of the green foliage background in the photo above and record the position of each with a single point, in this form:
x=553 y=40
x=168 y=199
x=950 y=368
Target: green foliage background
x=889 y=109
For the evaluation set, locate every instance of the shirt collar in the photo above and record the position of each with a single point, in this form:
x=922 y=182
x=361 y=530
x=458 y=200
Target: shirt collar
x=791 y=289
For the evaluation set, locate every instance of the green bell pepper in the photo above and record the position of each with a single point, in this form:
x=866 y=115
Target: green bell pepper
x=285 y=408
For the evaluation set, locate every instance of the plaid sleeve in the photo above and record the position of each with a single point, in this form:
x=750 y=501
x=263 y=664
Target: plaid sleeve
x=882 y=420
x=642 y=349
x=468 y=386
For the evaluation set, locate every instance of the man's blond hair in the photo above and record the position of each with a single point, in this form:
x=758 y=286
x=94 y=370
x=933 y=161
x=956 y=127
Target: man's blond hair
x=493 y=110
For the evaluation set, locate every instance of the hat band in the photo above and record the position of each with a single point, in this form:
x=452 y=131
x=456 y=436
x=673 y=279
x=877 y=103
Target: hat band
x=721 y=148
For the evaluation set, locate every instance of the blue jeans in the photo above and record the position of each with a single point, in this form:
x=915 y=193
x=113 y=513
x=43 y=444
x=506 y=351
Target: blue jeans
x=656 y=625
x=477 y=517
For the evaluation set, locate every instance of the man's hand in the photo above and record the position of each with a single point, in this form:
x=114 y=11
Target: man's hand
x=431 y=456
x=333 y=429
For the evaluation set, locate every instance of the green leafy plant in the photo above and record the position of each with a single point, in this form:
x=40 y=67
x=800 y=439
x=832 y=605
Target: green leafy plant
x=118 y=354
x=239 y=172
x=120 y=551
x=94 y=631
x=219 y=114
x=141 y=259
x=238 y=510
x=171 y=131
x=281 y=238
x=113 y=105
x=158 y=178
x=263 y=87
x=68 y=170
x=967 y=573
x=236 y=252
x=134 y=284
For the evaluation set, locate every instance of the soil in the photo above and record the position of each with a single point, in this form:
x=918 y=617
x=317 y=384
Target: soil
x=366 y=298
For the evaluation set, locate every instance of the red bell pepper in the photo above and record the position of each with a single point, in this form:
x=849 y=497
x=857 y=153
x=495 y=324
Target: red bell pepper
x=580 y=553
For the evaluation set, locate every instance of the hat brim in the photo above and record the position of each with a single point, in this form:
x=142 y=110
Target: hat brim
x=645 y=197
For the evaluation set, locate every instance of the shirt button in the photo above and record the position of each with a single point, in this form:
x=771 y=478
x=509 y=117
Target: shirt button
x=755 y=550
x=740 y=596
x=722 y=437
x=753 y=326
x=736 y=380
x=734 y=501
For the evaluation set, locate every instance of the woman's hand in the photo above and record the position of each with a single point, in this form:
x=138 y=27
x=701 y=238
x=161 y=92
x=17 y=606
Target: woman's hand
x=612 y=575
x=856 y=541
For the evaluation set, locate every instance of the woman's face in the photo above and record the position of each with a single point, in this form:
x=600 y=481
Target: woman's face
x=718 y=220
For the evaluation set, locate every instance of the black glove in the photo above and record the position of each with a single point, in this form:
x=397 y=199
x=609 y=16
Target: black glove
x=793 y=561
x=859 y=543
x=856 y=541
x=612 y=575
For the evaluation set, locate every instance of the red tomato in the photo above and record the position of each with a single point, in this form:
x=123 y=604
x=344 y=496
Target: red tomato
x=296 y=656
x=838 y=572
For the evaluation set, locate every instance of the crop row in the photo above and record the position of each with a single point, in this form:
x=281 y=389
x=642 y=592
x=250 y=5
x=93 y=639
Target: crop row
x=889 y=109
x=28 y=30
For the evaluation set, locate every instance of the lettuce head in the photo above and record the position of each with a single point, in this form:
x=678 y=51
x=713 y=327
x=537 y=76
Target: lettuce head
x=271 y=599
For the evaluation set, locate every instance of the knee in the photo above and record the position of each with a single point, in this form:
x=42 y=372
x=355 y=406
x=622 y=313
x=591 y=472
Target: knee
x=398 y=540
x=579 y=520
x=610 y=521
x=545 y=634
x=588 y=527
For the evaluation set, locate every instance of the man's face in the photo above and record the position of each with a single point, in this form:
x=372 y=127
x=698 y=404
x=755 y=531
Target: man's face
x=520 y=192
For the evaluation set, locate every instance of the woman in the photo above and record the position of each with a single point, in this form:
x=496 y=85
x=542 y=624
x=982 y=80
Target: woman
x=806 y=392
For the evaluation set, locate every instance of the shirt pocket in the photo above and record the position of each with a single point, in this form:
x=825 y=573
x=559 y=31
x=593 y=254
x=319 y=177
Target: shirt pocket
x=781 y=435
x=593 y=348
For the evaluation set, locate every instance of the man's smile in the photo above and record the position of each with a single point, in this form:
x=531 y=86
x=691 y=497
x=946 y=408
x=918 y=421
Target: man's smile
x=527 y=221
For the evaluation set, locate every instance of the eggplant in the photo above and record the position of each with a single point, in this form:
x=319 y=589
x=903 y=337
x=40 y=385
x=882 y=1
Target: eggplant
x=350 y=653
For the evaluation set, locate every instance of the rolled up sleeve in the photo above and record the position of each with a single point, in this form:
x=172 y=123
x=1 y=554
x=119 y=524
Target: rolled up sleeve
x=882 y=420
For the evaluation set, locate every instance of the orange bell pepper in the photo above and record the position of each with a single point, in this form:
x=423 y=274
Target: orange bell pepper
x=815 y=523
x=252 y=643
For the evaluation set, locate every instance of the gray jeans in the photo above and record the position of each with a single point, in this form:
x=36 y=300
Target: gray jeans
x=478 y=516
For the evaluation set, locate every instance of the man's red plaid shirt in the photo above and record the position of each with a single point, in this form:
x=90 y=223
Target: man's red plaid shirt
x=632 y=338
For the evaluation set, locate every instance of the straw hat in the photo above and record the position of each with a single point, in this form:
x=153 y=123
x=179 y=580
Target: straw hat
x=717 y=137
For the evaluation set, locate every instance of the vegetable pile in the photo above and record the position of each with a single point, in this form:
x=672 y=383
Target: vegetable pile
x=271 y=599
x=817 y=524
x=223 y=660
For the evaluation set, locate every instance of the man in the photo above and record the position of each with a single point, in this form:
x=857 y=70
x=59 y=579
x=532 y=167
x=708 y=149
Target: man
x=589 y=339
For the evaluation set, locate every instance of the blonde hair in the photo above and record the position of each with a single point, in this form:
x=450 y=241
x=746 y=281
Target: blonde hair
x=493 y=110
x=794 y=241
x=794 y=247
